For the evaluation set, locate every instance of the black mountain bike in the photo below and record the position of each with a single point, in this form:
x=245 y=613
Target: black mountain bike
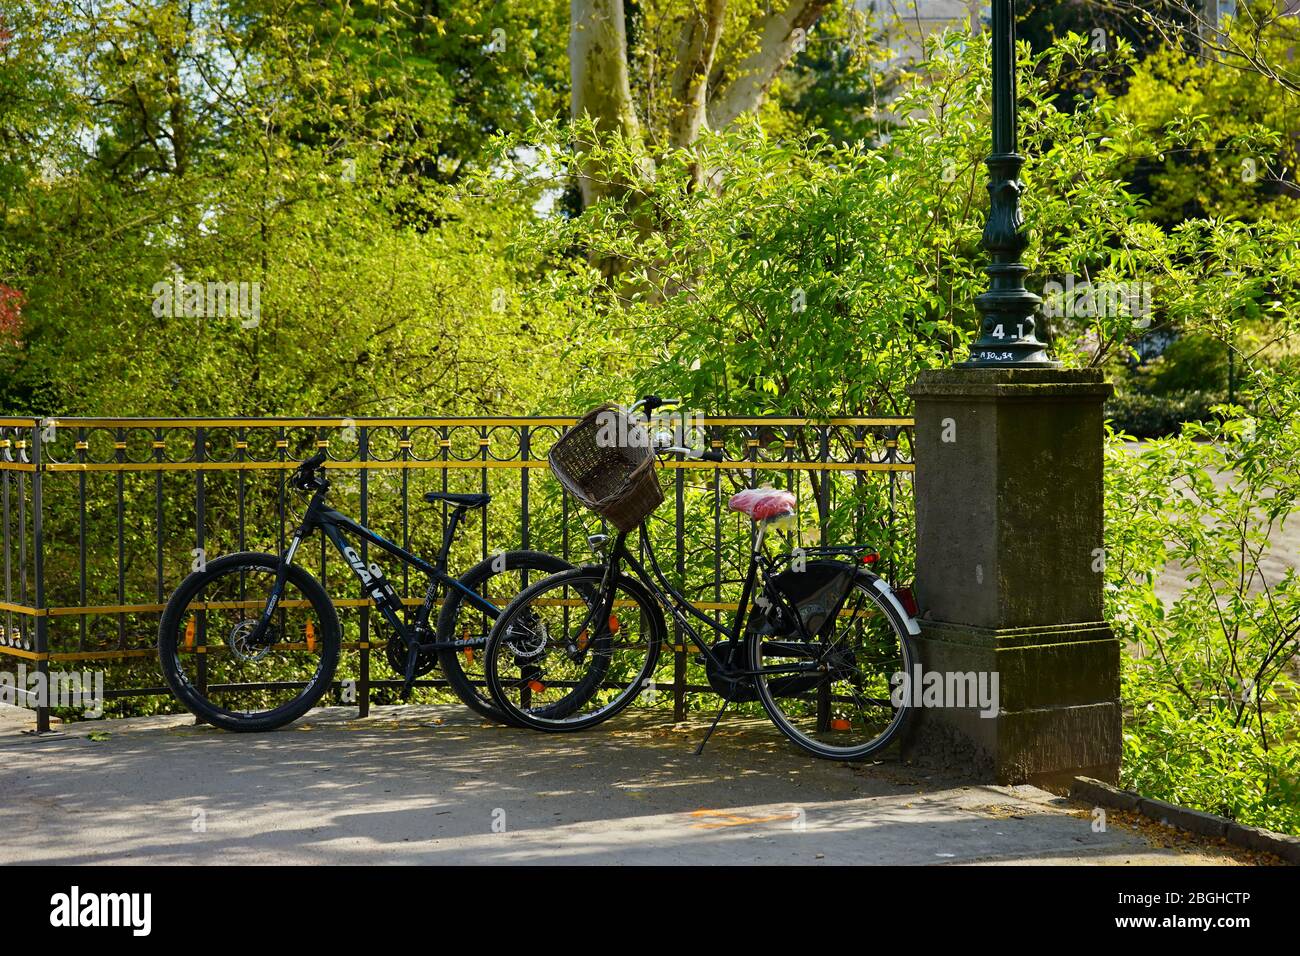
x=820 y=641
x=251 y=641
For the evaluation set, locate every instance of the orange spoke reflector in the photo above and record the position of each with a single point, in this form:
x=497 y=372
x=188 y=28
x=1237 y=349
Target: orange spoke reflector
x=839 y=723
x=311 y=636
x=582 y=641
x=469 y=651
x=536 y=686
x=189 y=635
x=613 y=624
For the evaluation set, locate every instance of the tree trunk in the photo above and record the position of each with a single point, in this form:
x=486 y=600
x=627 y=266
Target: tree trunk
x=704 y=92
x=690 y=86
x=598 y=72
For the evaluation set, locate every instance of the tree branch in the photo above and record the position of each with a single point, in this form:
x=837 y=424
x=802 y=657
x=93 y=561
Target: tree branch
x=696 y=49
x=739 y=90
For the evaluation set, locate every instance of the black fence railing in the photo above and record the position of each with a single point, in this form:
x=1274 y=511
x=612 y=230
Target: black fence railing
x=102 y=518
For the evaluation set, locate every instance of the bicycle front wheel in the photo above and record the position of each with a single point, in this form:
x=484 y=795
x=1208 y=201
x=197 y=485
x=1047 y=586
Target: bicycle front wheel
x=832 y=695
x=564 y=655
x=218 y=665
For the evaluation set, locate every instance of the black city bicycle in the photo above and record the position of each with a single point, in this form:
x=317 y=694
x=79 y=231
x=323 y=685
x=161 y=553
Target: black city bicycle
x=251 y=641
x=821 y=642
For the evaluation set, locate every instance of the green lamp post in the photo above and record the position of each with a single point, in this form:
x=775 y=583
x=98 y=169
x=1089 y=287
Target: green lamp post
x=1007 y=309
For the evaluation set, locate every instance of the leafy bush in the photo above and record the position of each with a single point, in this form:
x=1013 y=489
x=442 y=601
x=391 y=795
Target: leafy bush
x=1209 y=680
x=1156 y=416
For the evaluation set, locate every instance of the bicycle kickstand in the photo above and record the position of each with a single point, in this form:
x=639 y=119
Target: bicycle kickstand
x=712 y=727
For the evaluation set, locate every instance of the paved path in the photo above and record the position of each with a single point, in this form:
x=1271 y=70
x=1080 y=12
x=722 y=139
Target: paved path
x=435 y=785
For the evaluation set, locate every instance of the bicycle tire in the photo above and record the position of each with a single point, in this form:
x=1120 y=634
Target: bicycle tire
x=169 y=644
x=559 y=717
x=865 y=583
x=474 y=694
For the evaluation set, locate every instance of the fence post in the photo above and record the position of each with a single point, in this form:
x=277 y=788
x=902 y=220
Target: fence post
x=363 y=669
x=200 y=543
x=38 y=548
x=679 y=639
x=525 y=452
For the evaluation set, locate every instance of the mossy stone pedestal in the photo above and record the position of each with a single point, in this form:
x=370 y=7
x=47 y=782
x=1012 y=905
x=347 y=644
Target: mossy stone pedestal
x=1009 y=537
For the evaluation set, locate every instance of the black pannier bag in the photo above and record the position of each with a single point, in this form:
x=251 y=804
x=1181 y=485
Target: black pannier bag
x=816 y=592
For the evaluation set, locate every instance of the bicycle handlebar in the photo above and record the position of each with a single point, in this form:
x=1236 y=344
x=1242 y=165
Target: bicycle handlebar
x=713 y=454
x=304 y=477
x=652 y=403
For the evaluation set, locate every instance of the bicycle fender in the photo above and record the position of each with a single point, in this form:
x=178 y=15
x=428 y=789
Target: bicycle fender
x=881 y=585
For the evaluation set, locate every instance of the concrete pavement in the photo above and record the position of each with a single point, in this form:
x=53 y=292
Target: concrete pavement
x=437 y=785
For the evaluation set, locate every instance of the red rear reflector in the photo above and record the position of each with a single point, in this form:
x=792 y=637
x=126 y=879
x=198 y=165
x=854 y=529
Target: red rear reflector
x=907 y=599
x=871 y=558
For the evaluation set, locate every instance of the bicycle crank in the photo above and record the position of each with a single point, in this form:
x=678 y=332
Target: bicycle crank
x=398 y=656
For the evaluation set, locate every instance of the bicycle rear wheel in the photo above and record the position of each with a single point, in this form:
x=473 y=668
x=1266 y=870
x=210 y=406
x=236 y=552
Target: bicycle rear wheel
x=560 y=658
x=499 y=579
x=832 y=695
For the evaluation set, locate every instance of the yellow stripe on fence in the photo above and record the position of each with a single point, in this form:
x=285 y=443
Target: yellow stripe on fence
x=147 y=466
x=497 y=422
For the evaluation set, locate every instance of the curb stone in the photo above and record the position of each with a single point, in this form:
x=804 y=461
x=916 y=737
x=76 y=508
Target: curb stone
x=1194 y=821
x=1103 y=794
x=1253 y=838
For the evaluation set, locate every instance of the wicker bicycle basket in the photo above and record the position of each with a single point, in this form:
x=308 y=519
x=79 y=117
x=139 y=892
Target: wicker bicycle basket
x=606 y=462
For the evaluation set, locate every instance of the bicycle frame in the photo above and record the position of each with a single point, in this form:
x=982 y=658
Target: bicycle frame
x=335 y=526
x=679 y=605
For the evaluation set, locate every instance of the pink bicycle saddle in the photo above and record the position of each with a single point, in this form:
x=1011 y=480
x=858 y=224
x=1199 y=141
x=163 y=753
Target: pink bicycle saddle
x=762 y=504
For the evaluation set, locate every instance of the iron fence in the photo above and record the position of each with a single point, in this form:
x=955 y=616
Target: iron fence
x=102 y=517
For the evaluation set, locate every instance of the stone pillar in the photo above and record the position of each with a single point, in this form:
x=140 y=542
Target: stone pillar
x=1009 y=531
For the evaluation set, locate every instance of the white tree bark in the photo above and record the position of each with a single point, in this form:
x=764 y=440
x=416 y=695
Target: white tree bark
x=747 y=83
x=690 y=84
x=598 y=73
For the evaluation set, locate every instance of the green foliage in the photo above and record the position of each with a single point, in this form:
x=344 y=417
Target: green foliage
x=840 y=84
x=1190 y=362
x=302 y=152
x=1224 y=138
x=1210 y=670
x=1156 y=416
